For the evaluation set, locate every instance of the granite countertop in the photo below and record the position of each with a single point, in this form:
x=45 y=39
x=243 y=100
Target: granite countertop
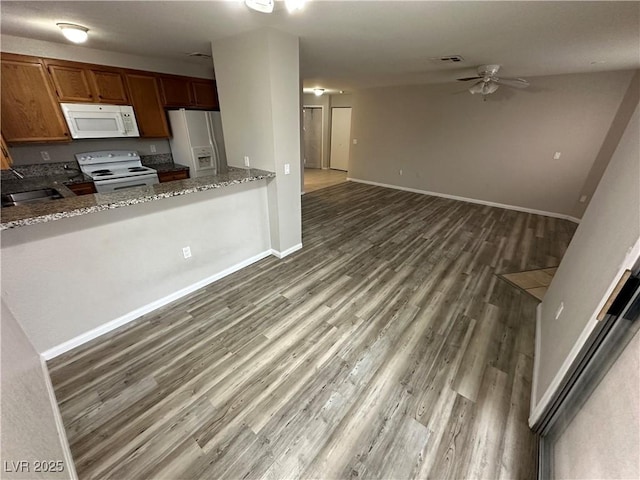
x=57 y=181
x=72 y=205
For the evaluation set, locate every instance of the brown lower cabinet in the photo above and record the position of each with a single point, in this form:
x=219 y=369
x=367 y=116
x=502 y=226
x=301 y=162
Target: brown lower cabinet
x=171 y=176
x=84 y=188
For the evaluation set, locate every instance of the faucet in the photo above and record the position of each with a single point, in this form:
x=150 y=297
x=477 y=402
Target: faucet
x=17 y=173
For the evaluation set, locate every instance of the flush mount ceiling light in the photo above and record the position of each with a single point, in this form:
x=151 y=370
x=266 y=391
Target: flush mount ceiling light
x=318 y=91
x=267 y=6
x=74 y=33
x=262 y=6
x=293 y=5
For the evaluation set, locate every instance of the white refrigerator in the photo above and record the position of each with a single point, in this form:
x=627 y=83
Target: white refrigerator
x=197 y=141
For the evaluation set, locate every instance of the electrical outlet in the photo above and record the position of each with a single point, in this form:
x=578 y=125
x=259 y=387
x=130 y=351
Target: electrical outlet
x=559 y=311
x=287 y=169
x=246 y=160
x=355 y=141
x=583 y=198
x=556 y=156
x=186 y=251
x=152 y=148
x=45 y=156
x=400 y=172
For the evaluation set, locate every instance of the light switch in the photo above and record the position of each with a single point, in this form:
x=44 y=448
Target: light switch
x=556 y=156
x=287 y=169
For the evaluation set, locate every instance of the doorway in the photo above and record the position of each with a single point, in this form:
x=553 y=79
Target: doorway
x=312 y=136
x=340 y=138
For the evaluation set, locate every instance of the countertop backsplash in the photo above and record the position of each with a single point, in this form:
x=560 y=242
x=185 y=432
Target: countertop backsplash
x=42 y=170
x=64 y=152
x=156 y=159
x=57 y=168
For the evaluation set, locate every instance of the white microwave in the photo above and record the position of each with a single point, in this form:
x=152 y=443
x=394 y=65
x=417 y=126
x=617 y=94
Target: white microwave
x=95 y=120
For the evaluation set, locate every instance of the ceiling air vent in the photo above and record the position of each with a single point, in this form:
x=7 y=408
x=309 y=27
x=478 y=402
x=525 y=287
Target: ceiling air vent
x=448 y=59
x=199 y=54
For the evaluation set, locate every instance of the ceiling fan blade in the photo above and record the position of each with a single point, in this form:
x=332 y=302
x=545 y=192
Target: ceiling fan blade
x=466 y=79
x=512 y=82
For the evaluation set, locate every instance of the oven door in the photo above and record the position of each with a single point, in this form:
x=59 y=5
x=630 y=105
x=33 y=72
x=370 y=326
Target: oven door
x=116 y=184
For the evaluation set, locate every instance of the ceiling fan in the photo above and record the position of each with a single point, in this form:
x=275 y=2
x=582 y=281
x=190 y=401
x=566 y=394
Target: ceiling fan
x=488 y=80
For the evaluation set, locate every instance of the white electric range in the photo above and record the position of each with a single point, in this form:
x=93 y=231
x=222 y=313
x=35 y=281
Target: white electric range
x=113 y=170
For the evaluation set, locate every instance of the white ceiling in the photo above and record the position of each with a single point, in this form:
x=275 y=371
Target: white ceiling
x=354 y=44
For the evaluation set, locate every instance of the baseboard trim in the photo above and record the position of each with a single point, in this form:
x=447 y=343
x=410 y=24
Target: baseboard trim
x=128 y=317
x=469 y=200
x=286 y=252
x=57 y=418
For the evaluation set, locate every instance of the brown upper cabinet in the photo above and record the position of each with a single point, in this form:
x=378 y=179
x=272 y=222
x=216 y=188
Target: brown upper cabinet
x=30 y=112
x=206 y=94
x=145 y=98
x=77 y=82
x=189 y=92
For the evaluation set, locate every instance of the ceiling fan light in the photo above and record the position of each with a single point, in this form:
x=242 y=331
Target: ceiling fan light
x=74 y=33
x=262 y=6
x=476 y=88
x=318 y=91
x=489 y=87
x=293 y=5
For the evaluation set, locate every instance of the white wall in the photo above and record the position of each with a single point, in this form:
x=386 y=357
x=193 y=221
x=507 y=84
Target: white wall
x=28 y=414
x=620 y=121
x=39 y=48
x=259 y=89
x=500 y=150
x=603 y=439
x=606 y=242
x=62 y=279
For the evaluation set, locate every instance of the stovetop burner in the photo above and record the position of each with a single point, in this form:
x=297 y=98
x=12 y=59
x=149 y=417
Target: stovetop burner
x=137 y=169
x=101 y=172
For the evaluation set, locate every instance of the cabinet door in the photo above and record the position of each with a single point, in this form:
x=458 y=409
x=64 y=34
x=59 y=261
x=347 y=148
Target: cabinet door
x=176 y=92
x=109 y=87
x=71 y=83
x=205 y=94
x=171 y=176
x=5 y=159
x=145 y=98
x=85 y=188
x=30 y=111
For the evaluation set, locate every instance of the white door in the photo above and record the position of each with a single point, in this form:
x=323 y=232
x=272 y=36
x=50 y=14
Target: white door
x=340 y=138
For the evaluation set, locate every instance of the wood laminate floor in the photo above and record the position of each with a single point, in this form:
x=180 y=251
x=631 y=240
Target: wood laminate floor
x=386 y=348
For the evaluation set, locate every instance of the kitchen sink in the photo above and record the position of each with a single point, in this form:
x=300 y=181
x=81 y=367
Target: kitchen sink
x=33 y=196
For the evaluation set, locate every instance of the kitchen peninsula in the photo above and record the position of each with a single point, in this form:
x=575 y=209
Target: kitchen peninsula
x=71 y=205
x=78 y=267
